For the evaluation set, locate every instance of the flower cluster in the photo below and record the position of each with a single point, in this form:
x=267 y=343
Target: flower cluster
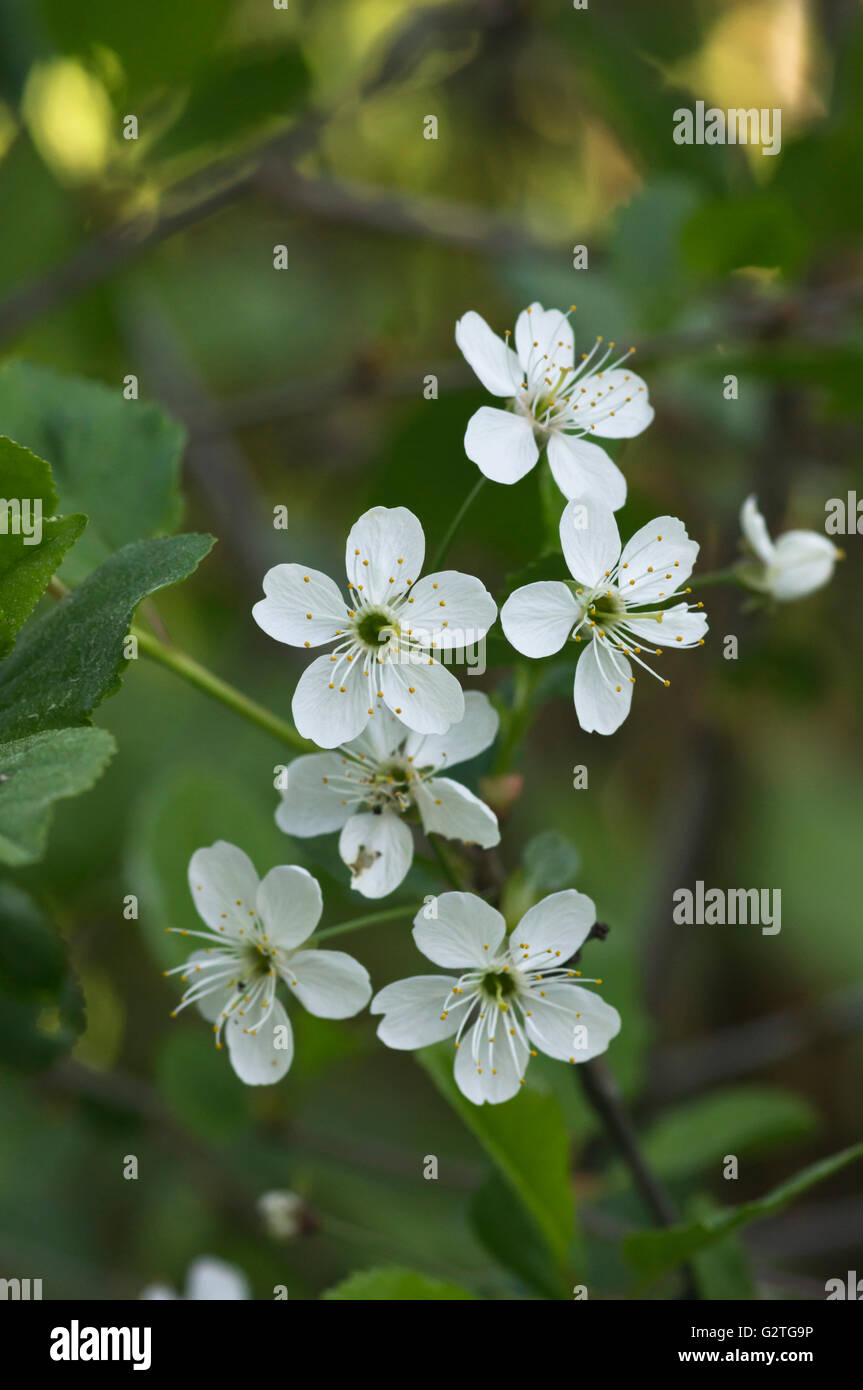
x=392 y=721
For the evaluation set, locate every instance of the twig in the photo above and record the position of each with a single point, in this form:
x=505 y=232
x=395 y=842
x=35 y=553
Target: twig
x=603 y=1095
x=392 y=213
x=443 y=548
x=197 y=675
x=226 y=181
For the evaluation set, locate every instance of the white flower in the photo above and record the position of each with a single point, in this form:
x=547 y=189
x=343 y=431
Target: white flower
x=507 y=1000
x=384 y=637
x=792 y=567
x=615 y=606
x=365 y=788
x=207 y=1279
x=552 y=401
x=282 y=1213
x=256 y=929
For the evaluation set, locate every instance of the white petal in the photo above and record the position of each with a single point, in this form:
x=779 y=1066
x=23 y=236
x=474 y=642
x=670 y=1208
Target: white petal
x=679 y=627
x=590 y=540
x=302 y=606
x=613 y=404
x=538 y=618
x=470 y=736
x=422 y=693
x=289 y=905
x=501 y=444
x=449 y=809
x=491 y=358
x=384 y=552
x=583 y=470
x=331 y=711
x=754 y=528
x=158 y=1291
x=656 y=560
x=330 y=984
x=312 y=801
x=209 y=1278
x=496 y=1072
x=383 y=737
x=466 y=931
x=449 y=609
x=603 y=691
x=264 y=1056
x=378 y=849
x=412 y=1011
x=544 y=342
x=802 y=562
x=224 y=884
x=553 y=930
x=553 y=1022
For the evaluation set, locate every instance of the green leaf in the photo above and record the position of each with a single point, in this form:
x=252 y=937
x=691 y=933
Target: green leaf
x=41 y=1010
x=155 y=43
x=70 y=660
x=722 y=1271
x=526 y=1139
x=509 y=1234
x=235 y=99
x=653 y=1254
x=394 y=1284
x=551 y=861
x=695 y=1138
x=116 y=460
x=35 y=772
x=27 y=561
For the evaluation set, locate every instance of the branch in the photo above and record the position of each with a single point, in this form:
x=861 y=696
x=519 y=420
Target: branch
x=225 y=181
x=601 y=1091
x=397 y=214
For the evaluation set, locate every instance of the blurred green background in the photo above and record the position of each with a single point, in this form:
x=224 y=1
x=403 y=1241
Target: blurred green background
x=303 y=127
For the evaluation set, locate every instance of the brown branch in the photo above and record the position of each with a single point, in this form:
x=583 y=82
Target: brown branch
x=392 y=213
x=601 y=1091
x=223 y=183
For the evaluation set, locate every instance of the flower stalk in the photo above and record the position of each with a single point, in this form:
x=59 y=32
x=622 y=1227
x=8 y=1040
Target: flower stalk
x=205 y=680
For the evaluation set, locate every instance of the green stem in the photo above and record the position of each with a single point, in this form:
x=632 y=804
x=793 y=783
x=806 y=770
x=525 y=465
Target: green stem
x=711 y=580
x=389 y=914
x=444 y=861
x=525 y=680
x=440 y=553
x=197 y=675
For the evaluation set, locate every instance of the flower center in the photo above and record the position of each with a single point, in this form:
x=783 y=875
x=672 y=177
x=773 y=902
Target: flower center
x=254 y=962
x=606 y=609
x=498 y=985
x=389 y=786
x=375 y=628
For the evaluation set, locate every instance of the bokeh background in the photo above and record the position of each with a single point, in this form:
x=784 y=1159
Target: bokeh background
x=304 y=387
